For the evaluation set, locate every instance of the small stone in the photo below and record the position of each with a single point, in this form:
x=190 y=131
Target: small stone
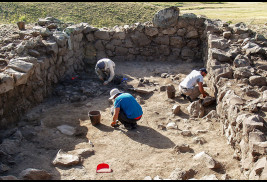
x=201 y=131
x=186 y=133
x=147 y=178
x=199 y=140
x=157 y=178
x=209 y=177
x=162 y=127
x=176 y=109
x=66 y=129
x=182 y=148
x=225 y=177
x=171 y=125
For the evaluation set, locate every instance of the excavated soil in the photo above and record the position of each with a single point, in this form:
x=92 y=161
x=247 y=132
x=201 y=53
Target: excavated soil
x=135 y=154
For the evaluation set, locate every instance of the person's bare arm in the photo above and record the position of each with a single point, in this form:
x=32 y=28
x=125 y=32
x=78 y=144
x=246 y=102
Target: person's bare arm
x=115 y=116
x=201 y=89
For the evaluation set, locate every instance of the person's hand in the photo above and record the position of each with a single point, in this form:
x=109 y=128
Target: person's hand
x=113 y=124
x=105 y=83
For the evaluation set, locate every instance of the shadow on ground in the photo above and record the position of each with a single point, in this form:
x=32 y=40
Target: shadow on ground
x=150 y=137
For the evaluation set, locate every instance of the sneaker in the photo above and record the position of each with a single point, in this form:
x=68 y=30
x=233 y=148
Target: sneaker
x=198 y=98
x=183 y=95
x=188 y=98
x=116 y=125
x=127 y=127
x=134 y=126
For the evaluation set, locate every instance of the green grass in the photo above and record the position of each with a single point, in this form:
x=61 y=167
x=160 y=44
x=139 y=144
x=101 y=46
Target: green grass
x=109 y=14
x=98 y=14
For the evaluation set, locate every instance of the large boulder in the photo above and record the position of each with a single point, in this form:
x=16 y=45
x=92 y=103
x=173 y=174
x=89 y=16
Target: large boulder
x=35 y=174
x=20 y=77
x=252 y=123
x=243 y=72
x=241 y=61
x=196 y=109
x=220 y=55
x=219 y=43
x=181 y=174
x=206 y=159
x=257 y=80
x=224 y=71
x=252 y=48
x=140 y=39
x=7 y=83
x=65 y=159
x=166 y=17
x=103 y=35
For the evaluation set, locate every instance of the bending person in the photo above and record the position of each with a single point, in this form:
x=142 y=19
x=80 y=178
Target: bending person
x=105 y=70
x=192 y=86
x=126 y=109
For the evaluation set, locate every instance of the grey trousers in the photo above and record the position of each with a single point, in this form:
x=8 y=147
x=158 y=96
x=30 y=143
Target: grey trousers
x=192 y=93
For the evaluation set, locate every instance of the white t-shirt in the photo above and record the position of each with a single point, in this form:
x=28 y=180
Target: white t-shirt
x=109 y=67
x=192 y=79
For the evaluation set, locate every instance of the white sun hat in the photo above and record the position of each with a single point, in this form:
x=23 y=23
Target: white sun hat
x=114 y=92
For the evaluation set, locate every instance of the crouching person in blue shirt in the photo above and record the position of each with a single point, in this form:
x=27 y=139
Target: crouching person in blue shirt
x=126 y=109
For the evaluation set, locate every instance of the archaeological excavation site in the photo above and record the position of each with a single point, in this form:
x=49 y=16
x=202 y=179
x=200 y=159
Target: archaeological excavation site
x=48 y=85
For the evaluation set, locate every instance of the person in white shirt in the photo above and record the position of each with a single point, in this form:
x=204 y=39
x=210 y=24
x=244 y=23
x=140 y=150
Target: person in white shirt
x=192 y=86
x=105 y=70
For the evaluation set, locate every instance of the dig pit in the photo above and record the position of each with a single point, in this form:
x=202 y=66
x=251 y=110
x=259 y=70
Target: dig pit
x=151 y=58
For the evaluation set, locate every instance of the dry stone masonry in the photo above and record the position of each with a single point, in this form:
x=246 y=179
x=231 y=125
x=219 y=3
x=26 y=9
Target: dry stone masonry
x=34 y=60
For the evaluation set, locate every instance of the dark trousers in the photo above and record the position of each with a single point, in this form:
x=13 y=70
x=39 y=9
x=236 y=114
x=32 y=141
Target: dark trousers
x=126 y=121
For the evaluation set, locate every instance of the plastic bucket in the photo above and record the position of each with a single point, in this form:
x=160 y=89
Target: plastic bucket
x=171 y=94
x=171 y=91
x=95 y=117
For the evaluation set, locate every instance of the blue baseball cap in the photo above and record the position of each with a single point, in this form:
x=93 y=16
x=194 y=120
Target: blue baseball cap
x=204 y=70
x=101 y=65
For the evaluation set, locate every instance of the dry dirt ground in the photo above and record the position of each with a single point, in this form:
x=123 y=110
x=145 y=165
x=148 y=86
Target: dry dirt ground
x=135 y=154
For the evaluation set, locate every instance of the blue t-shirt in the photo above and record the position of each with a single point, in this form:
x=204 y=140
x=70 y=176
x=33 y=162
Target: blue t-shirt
x=129 y=105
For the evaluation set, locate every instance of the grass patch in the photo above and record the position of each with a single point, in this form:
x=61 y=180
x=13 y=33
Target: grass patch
x=110 y=14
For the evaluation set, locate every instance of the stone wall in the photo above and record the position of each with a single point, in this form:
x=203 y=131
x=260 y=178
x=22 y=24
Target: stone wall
x=36 y=63
x=43 y=55
x=233 y=54
x=236 y=61
x=180 y=42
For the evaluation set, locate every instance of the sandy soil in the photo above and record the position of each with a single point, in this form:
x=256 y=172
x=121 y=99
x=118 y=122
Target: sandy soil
x=135 y=154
